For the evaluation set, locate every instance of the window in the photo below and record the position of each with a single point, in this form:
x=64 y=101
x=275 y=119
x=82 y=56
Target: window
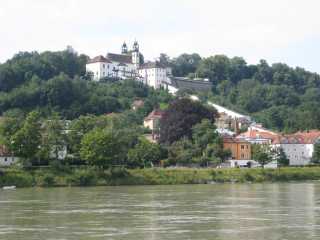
x=242 y=156
x=5 y=159
x=103 y=65
x=242 y=146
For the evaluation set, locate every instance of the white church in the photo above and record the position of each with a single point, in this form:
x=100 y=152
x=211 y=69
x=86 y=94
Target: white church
x=129 y=65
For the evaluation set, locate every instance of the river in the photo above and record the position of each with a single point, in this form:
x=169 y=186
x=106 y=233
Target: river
x=218 y=211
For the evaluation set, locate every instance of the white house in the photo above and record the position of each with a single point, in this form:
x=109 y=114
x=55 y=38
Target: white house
x=122 y=65
x=154 y=74
x=6 y=158
x=299 y=147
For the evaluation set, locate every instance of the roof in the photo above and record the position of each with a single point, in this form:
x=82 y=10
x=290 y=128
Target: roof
x=228 y=112
x=121 y=58
x=256 y=135
x=234 y=140
x=155 y=114
x=148 y=65
x=4 y=152
x=186 y=83
x=306 y=137
x=99 y=59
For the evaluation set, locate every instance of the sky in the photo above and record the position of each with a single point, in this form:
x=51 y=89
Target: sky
x=276 y=30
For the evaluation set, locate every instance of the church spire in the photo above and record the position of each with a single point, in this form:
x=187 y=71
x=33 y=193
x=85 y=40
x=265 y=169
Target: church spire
x=124 y=49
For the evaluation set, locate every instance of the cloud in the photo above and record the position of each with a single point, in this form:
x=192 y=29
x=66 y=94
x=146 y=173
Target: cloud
x=252 y=29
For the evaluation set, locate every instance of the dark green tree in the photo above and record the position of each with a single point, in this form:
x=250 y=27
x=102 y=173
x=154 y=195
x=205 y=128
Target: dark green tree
x=316 y=154
x=180 y=117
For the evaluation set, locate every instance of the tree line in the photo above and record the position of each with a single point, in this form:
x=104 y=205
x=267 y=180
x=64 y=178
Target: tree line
x=281 y=97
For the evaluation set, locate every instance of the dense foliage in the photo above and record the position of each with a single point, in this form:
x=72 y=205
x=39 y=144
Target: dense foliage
x=56 y=82
x=180 y=117
x=281 y=97
x=203 y=148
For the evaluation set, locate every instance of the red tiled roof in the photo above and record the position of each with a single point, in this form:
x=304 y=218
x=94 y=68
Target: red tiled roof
x=307 y=137
x=254 y=134
x=99 y=59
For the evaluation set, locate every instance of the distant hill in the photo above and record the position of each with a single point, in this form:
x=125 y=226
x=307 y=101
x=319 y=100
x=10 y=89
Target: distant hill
x=279 y=96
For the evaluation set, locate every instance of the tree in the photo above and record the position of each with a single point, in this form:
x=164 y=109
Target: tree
x=281 y=157
x=180 y=117
x=26 y=141
x=101 y=148
x=262 y=154
x=209 y=143
x=182 y=152
x=316 y=154
x=215 y=68
x=54 y=139
x=144 y=154
x=185 y=64
x=77 y=129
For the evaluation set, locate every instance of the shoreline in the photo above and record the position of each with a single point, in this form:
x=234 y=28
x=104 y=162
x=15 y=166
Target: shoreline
x=141 y=177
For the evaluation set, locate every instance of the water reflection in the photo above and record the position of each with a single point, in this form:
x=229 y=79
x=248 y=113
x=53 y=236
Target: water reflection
x=228 y=211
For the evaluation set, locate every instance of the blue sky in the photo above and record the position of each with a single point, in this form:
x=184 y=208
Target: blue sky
x=275 y=30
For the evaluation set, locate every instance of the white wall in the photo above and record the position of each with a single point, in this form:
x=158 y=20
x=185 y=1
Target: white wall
x=154 y=77
x=100 y=70
x=298 y=154
x=7 y=161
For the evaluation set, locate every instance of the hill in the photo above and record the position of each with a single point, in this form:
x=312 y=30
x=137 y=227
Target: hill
x=281 y=97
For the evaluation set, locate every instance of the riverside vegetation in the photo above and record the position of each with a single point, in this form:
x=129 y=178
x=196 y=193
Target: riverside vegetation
x=120 y=176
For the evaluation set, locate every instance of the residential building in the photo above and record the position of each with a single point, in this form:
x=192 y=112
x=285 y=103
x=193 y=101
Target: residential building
x=256 y=134
x=154 y=74
x=6 y=158
x=240 y=149
x=299 y=147
x=152 y=122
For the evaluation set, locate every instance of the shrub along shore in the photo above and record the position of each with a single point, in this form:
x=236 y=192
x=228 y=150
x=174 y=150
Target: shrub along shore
x=118 y=176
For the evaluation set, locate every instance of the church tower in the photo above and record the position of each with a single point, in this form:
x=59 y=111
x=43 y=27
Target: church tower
x=136 y=54
x=124 y=48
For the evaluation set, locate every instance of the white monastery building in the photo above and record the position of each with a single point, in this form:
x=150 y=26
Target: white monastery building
x=128 y=65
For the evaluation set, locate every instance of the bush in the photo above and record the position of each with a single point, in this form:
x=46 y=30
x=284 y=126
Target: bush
x=47 y=180
x=18 y=179
x=83 y=178
x=119 y=172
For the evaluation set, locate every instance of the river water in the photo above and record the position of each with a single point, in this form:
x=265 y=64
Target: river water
x=218 y=211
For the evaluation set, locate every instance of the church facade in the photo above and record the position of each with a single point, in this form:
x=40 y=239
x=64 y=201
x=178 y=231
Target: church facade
x=128 y=65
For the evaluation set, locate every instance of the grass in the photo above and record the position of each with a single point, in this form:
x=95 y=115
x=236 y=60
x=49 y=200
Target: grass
x=115 y=177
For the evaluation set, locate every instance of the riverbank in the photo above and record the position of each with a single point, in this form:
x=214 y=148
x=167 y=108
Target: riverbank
x=116 y=177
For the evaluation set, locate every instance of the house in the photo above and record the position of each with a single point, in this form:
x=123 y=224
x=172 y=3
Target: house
x=152 y=122
x=299 y=146
x=114 y=65
x=240 y=149
x=137 y=104
x=154 y=74
x=256 y=134
x=6 y=158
